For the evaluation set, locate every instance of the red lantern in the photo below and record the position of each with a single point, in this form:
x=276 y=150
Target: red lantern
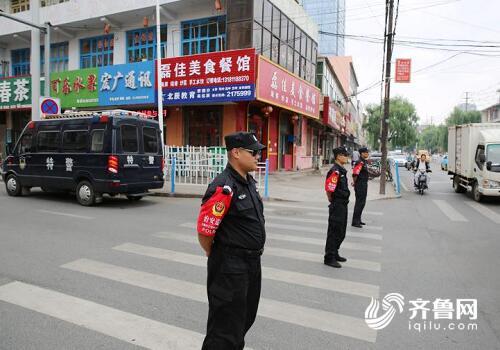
x=107 y=28
x=145 y=22
x=218 y=5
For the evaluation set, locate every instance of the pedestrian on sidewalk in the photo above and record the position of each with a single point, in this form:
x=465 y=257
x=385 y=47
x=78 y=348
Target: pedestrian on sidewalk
x=360 y=183
x=231 y=230
x=337 y=192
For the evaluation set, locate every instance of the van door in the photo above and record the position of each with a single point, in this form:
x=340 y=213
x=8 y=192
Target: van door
x=151 y=157
x=128 y=152
x=23 y=159
x=48 y=160
x=74 y=156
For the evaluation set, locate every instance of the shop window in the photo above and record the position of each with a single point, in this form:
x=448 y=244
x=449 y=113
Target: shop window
x=203 y=126
x=97 y=52
x=275 y=49
x=276 y=22
x=48 y=141
x=141 y=44
x=59 y=57
x=204 y=35
x=284 y=27
x=75 y=141
x=150 y=140
x=268 y=13
x=266 y=43
x=257 y=10
x=20 y=62
x=129 y=138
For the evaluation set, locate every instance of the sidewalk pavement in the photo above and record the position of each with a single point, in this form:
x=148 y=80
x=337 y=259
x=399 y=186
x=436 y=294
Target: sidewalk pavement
x=303 y=186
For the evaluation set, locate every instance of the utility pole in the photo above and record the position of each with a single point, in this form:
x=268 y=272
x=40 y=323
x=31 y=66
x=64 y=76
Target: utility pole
x=467 y=101
x=385 y=117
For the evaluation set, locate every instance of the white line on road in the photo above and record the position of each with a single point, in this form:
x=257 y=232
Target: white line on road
x=325 y=215
x=484 y=210
x=65 y=214
x=317 y=210
x=449 y=211
x=286 y=253
x=306 y=228
x=127 y=327
x=281 y=311
x=302 y=279
x=375 y=236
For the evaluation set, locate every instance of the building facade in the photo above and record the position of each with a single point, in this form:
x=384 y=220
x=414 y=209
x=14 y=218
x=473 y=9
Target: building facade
x=491 y=114
x=330 y=17
x=102 y=56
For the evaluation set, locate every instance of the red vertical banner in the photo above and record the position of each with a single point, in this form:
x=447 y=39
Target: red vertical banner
x=403 y=70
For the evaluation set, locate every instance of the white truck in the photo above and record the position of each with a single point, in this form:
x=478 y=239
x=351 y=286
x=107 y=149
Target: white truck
x=474 y=158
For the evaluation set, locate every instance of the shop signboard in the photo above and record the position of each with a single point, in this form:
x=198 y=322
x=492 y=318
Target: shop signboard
x=213 y=77
x=330 y=113
x=78 y=88
x=127 y=84
x=15 y=93
x=403 y=70
x=277 y=86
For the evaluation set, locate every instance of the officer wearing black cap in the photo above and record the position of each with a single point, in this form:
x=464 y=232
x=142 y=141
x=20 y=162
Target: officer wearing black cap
x=337 y=192
x=360 y=181
x=233 y=241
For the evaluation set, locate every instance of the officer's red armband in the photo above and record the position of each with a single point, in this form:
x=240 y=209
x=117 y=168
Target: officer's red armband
x=213 y=211
x=357 y=168
x=331 y=182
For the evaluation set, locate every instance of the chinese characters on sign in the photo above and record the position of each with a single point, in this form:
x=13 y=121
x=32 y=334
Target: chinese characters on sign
x=15 y=93
x=214 y=77
x=330 y=113
x=403 y=70
x=77 y=88
x=277 y=86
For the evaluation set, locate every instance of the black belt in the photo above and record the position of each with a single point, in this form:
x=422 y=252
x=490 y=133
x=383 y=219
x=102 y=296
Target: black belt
x=241 y=251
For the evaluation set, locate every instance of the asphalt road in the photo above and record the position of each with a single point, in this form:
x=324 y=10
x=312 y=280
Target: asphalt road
x=130 y=275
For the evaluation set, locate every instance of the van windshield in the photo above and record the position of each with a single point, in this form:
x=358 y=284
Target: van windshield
x=493 y=156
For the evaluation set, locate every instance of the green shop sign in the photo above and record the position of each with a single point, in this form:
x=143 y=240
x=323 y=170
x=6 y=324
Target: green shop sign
x=78 y=88
x=15 y=93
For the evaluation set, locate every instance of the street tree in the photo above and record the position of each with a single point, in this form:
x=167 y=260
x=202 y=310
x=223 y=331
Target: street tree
x=403 y=121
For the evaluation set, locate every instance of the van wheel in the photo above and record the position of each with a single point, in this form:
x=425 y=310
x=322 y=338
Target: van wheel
x=134 y=198
x=478 y=196
x=13 y=186
x=85 y=193
x=456 y=185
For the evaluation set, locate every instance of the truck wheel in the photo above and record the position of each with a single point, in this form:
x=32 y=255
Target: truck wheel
x=13 y=186
x=85 y=193
x=456 y=185
x=478 y=196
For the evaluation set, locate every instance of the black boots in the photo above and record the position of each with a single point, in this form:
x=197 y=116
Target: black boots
x=340 y=258
x=332 y=263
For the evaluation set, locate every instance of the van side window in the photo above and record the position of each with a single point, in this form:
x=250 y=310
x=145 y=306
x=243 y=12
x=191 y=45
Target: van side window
x=25 y=145
x=97 y=143
x=479 y=152
x=150 y=140
x=75 y=141
x=129 y=139
x=48 y=141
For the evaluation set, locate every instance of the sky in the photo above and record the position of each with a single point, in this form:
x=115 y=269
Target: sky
x=444 y=76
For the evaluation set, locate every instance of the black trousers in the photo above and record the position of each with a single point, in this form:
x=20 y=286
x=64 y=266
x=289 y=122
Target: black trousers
x=361 y=191
x=337 y=225
x=233 y=286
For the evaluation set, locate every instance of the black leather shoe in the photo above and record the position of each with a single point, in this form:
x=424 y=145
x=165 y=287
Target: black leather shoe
x=357 y=225
x=332 y=263
x=340 y=258
x=362 y=223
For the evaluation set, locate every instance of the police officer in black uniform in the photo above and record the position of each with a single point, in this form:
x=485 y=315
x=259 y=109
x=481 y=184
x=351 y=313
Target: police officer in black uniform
x=360 y=180
x=337 y=192
x=234 y=270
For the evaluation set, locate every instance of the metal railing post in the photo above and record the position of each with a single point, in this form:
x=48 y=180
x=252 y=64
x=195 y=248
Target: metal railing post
x=172 y=175
x=266 y=181
x=398 y=189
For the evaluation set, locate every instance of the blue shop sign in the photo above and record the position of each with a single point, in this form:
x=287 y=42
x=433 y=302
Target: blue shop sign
x=127 y=84
x=207 y=94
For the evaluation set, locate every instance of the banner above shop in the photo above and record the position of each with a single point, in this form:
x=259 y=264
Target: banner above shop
x=277 y=86
x=330 y=114
x=78 y=88
x=213 y=77
x=15 y=93
x=127 y=84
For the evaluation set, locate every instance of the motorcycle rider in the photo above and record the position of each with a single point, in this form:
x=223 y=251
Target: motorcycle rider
x=421 y=165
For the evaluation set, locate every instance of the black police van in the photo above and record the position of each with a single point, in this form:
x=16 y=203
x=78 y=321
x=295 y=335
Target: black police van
x=88 y=153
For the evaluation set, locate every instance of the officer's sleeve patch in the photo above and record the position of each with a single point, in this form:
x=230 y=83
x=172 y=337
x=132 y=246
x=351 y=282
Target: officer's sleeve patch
x=357 y=168
x=331 y=182
x=213 y=211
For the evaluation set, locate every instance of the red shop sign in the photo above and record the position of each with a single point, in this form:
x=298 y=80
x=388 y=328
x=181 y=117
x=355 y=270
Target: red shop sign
x=231 y=67
x=403 y=70
x=330 y=113
x=277 y=86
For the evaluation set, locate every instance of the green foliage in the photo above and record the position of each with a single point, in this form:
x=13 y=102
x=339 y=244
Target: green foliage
x=458 y=117
x=403 y=121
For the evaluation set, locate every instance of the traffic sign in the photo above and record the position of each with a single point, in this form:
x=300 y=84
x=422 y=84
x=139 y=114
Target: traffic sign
x=50 y=105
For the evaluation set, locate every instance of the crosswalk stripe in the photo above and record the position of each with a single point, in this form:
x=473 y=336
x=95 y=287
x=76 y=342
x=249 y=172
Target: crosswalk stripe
x=309 y=228
x=302 y=279
x=285 y=253
x=65 y=214
x=449 y=211
x=281 y=311
x=121 y=325
x=325 y=215
x=317 y=210
x=303 y=229
x=484 y=210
